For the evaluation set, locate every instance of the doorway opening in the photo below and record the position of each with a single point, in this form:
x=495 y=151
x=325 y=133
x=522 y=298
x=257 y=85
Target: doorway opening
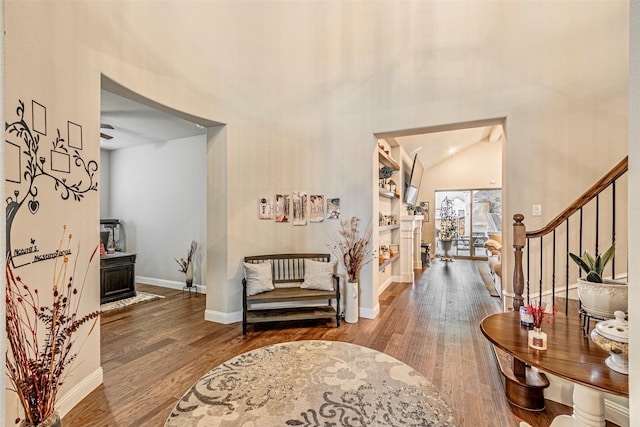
x=476 y=218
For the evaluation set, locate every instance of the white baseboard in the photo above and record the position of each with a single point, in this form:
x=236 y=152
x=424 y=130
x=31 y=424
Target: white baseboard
x=370 y=313
x=385 y=285
x=79 y=392
x=616 y=413
x=171 y=284
x=224 y=318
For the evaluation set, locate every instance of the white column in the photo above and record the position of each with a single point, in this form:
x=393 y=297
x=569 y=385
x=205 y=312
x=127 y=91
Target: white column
x=408 y=242
x=588 y=409
x=417 y=240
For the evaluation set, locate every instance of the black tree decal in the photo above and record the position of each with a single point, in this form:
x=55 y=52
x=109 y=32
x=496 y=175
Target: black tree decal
x=34 y=170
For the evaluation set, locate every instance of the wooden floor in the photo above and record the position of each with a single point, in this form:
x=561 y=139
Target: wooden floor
x=152 y=353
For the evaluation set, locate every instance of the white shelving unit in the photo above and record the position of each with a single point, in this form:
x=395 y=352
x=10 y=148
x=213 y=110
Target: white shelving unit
x=389 y=204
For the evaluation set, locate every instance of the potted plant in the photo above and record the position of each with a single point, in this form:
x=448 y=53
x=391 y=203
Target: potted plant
x=448 y=230
x=600 y=297
x=385 y=173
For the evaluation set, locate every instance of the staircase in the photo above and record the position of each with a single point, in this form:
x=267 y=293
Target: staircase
x=543 y=271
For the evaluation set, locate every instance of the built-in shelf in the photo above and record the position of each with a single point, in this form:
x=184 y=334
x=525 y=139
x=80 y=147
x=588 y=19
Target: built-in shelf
x=386 y=160
x=388 y=227
x=389 y=261
x=388 y=194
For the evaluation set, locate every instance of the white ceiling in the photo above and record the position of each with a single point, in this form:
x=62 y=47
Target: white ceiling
x=136 y=124
x=435 y=147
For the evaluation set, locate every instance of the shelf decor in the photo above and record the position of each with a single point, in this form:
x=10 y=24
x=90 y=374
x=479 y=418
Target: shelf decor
x=385 y=173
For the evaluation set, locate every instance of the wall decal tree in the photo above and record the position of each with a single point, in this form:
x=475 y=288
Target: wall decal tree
x=33 y=170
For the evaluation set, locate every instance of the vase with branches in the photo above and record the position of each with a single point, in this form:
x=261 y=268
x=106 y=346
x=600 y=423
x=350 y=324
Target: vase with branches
x=353 y=250
x=351 y=247
x=41 y=336
x=186 y=266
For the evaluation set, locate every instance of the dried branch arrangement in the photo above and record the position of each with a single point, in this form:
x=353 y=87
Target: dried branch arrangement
x=351 y=247
x=41 y=337
x=184 y=264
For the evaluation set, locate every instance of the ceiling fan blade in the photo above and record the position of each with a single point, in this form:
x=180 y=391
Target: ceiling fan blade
x=105 y=136
x=106 y=126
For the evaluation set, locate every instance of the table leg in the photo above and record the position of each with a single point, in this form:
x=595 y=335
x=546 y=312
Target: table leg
x=588 y=409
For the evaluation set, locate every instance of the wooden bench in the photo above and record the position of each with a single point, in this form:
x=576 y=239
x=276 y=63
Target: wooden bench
x=288 y=275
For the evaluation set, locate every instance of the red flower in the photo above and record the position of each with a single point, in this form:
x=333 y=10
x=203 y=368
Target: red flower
x=538 y=312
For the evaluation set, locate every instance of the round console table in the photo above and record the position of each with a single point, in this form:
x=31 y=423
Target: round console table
x=569 y=355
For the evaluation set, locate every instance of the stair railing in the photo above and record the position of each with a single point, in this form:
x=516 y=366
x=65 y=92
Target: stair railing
x=585 y=223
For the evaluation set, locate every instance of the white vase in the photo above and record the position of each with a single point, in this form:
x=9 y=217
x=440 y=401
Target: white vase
x=351 y=303
x=446 y=247
x=188 y=275
x=602 y=300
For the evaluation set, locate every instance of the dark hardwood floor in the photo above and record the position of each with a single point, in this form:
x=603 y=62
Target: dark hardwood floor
x=153 y=352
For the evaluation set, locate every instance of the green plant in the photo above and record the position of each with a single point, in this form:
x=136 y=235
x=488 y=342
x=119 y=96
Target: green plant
x=386 y=172
x=594 y=266
x=448 y=221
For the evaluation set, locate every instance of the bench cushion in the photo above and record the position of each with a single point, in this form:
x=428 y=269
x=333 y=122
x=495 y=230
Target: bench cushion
x=289 y=295
x=259 y=277
x=318 y=275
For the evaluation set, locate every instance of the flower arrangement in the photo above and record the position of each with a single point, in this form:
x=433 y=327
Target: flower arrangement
x=351 y=247
x=37 y=360
x=538 y=312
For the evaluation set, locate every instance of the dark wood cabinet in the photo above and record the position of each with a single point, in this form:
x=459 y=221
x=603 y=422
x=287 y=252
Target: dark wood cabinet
x=117 y=276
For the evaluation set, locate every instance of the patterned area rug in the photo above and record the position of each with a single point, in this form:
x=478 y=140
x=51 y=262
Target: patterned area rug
x=126 y=302
x=312 y=383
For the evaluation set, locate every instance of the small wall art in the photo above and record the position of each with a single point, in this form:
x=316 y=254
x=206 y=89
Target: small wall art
x=299 y=208
x=265 y=208
x=333 y=208
x=316 y=208
x=282 y=207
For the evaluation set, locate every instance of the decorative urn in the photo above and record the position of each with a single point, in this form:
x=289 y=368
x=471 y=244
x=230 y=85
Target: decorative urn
x=613 y=337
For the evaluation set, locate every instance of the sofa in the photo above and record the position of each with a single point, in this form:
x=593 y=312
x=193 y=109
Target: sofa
x=494 y=251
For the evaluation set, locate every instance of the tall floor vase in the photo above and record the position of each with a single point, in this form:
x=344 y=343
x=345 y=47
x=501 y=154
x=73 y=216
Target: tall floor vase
x=351 y=303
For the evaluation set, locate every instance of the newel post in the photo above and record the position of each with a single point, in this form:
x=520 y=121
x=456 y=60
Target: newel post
x=519 y=240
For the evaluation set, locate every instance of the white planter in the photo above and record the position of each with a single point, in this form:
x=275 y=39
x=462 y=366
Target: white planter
x=351 y=303
x=446 y=247
x=603 y=299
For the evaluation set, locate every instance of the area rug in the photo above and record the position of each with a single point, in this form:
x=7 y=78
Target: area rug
x=127 y=302
x=311 y=383
x=485 y=273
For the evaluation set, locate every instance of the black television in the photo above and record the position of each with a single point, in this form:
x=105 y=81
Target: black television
x=412 y=184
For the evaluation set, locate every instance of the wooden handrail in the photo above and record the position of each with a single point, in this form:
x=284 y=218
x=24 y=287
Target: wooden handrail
x=615 y=173
x=521 y=236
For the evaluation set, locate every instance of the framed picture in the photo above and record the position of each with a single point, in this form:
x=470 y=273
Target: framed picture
x=282 y=207
x=333 y=208
x=316 y=208
x=425 y=210
x=265 y=208
x=299 y=208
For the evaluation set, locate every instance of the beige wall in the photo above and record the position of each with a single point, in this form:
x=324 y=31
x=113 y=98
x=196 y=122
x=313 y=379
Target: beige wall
x=303 y=86
x=477 y=167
